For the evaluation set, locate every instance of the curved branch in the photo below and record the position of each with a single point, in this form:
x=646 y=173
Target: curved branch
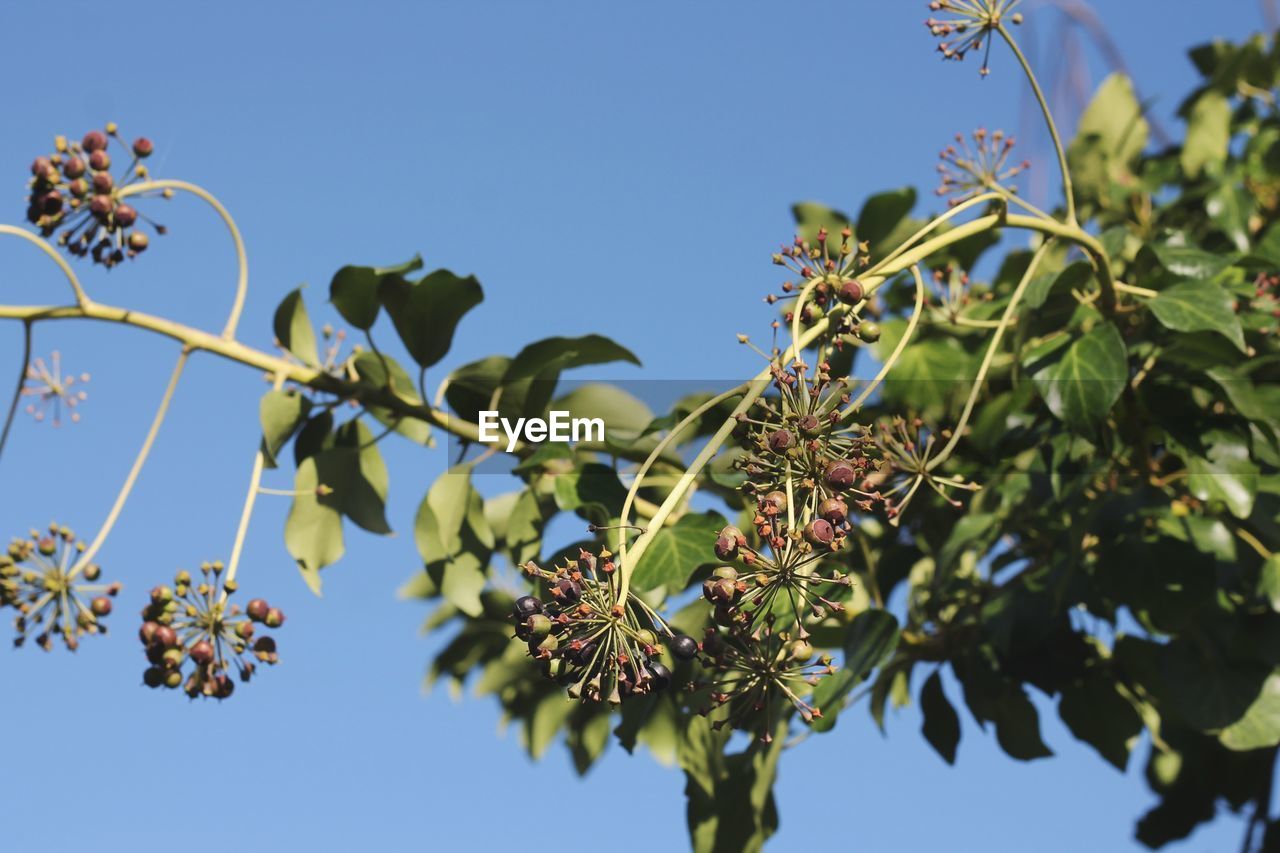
x=22 y=380
x=82 y=298
x=242 y=259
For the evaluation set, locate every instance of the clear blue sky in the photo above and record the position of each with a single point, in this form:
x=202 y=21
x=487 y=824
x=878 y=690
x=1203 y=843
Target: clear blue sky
x=602 y=167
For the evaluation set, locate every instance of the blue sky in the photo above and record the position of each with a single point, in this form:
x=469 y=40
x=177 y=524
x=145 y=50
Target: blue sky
x=610 y=168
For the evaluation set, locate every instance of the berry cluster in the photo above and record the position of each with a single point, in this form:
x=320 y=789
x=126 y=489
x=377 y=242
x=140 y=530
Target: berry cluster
x=967 y=170
x=186 y=623
x=73 y=189
x=600 y=649
x=42 y=579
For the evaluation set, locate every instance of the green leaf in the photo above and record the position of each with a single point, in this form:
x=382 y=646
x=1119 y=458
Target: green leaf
x=1190 y=262
x=1269 y=581
x=354 y=290
x=1208 y=134
x=882 y=213
x=1080 y=381
x=454 y=539
x=1260 y=726
x=941 y=726
x=828 y=697
x=523 y=539
x=811 y=217
x=1199 y=306
x=293 y=329
x=871 y=638
x=1115 y=117
x=1097 y=714
x=1075 y=276
x=677 y=551
x=1018 y=728
x=1225 y=473
x=313 y=530
x=383 y=371
x=427 y=312
x=564 y=353
x=281 y=414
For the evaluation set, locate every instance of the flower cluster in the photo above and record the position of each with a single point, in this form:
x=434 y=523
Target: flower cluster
x=602 y=650
x=970 y=26
x=970 y=170
x=51 y=391
x=41 y=577
x=73 y=189
x=755 y=678
x=195 y=624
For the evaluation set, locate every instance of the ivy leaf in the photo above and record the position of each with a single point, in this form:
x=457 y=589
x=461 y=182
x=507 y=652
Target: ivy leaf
x=1097 y=714
x=281 y=414
x=1226 y=473
x=382 y=371
x=1115 y=117
x=354 y=290
x=882 y=213
x=453 y=539
x=313 y=530
x=1260 y=725
x=1081 y=380
x=427 y=312
x=677 y=550
x=941 y=726
x=1269 y=581
x=870 y=639
x=564 y=353
x=1208 y=133
x=1190 y=262
x=1075 y=276
x=811 y=217
x=293 y=329
x=1199 y=306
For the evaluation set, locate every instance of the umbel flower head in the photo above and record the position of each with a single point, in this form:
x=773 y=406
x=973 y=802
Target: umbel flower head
x=193 y=623
x=51 y=391
x=600 y=649
x=73 y=189
x=986 y=165
x=969 y=26
x=54 y=596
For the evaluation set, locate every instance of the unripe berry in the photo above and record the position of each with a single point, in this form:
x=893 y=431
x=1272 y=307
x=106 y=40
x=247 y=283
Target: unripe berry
x=839 y=475
x=244 y=630
x=92 y=572
x=833 y=511
x=539 y=625
x=851 y=293
x=275 y=618
x=684 y=647
x=142 y=148
x=810 y=426
x=869 y=332
x=47 y=546
x=173 y=678
x=546 y=645
x=99 y=160
x=172 y=658
x=94 y=140
x=801 y=651
x=79 y=187
x=257 y=609
x=101 y=606
x=138 y=241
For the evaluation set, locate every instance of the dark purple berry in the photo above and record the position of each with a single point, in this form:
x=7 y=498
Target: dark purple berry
x=527 y=605
x=684 y=647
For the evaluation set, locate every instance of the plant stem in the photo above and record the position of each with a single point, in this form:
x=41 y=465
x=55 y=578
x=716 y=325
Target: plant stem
x=242 y=258
x=1067 y=189
x=82 y=299
x=255 y=481
x=897 y=351
x=22 y=380
x=138 y=462
x=950 y=446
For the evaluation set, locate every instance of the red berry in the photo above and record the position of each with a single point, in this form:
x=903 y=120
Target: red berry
x=202 y=653
x=819 y=532
x=851 y=293
x=833 y=511
x=275 y=618
x=839 y=475
x=73 y=168
x=100 y=160
x=103 y=182
x=101 y=606
x=40 y=167
x=126 y=215
x=148 y=631
x=142 y=147
x=94 y=140
x=780 y=440
x=79 y=187
x=257 y=609
x=165 y=637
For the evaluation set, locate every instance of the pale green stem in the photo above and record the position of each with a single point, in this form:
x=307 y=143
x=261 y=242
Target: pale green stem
x=242 y=259
x=1048 y=119
x=138 y=462
x=82 y=299
x=950 y=446
x=22 y=381
x=255 y=481
x=897 y=351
